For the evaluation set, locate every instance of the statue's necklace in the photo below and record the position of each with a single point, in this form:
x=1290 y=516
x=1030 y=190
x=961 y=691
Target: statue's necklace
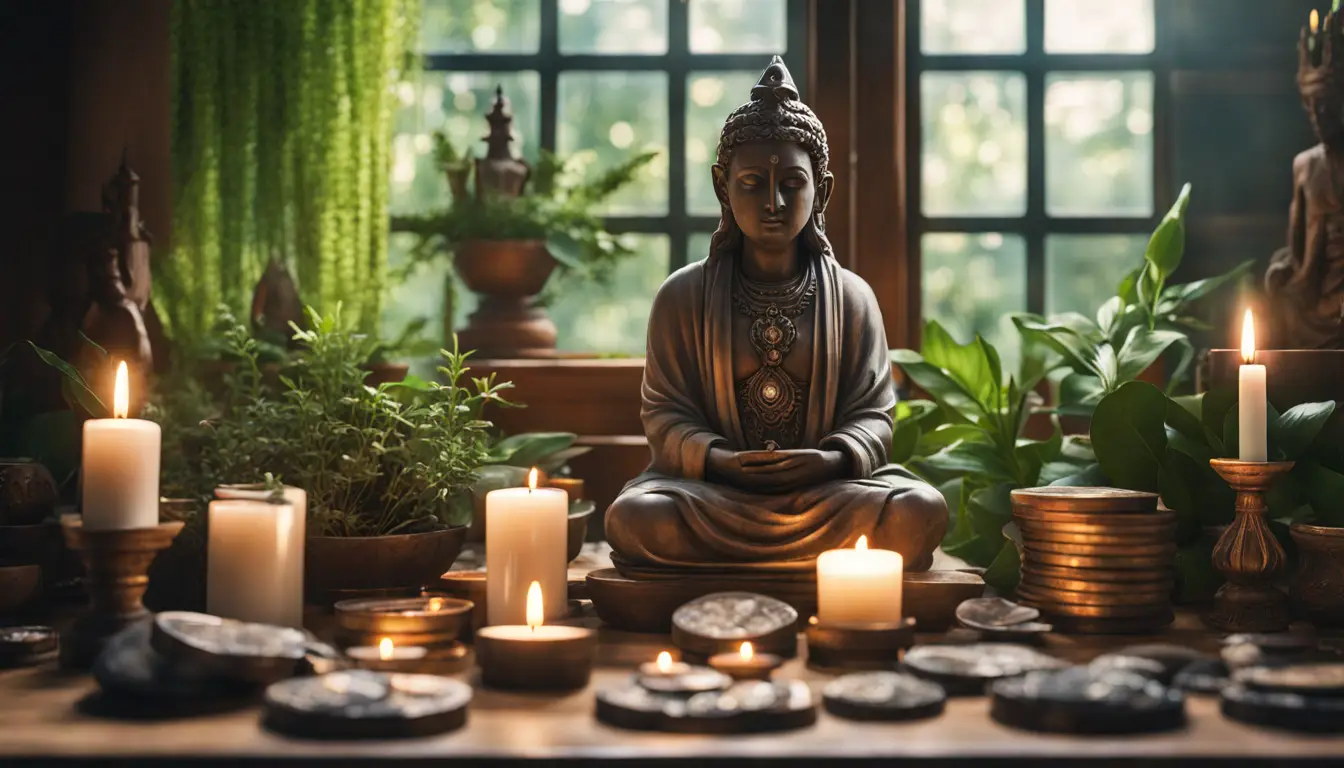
x=770 y=398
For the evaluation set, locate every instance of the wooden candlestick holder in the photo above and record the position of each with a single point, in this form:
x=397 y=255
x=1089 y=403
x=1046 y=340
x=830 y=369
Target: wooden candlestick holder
x=1247 y=553
x=116 y=567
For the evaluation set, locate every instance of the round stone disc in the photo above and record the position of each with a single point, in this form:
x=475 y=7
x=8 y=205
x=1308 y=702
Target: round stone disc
x=361 y=704
x=883 y=696
x=1289 y=711
x=1151 y=577
x=1087 y=700
x=694 y=680
x=229 y=649
x=1308 y=679
x=994 y=613
x=1173 y=658
x=1100 y=562
x=129 y=667
x=1208 y=676
x=746 y=707
x=1136 y=664
x=27 y=645
x=720 y=622
x=965 y=670
x=1032 y=579
x=1158 y=549
x=1073 y=597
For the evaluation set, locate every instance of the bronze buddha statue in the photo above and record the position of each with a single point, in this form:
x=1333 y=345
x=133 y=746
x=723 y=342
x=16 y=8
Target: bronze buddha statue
x=1305 y=281
x=767 y=393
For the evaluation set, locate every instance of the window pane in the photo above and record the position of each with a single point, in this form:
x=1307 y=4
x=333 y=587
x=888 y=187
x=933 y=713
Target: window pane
x=1098 y=26
x=1099 y=144
x=710 y=96
x=613 y=26
x=480 y=26
x=1082 y=271
x=738 y=26
x=422 y=295
x=607 y=117
x=613 y=319
x=973 y=26
x=697 y=246
x=975 y=143
x=971 y=281
x=455 y=103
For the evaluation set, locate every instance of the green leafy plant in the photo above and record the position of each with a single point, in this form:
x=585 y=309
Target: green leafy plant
x=410 y=343
x=374 y=461
x=560 y=210
x=1145 y=321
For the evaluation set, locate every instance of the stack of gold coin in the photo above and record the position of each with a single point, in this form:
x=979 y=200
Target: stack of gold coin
x=1096 y=560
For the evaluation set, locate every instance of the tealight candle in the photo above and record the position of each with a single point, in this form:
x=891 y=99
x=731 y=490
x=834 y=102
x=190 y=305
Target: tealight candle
x=120 y=467
x=388 y=657
x=859 y=586
x=664 y=666
x=1251 y=399
x=746 y=664
x=526 y=539
x=537 y=656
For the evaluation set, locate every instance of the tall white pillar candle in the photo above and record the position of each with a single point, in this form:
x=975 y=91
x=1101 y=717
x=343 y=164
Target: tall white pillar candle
x=859 y=586
x=291 y=587
x=526 y=535
x=1252 y=399
x=248 y=562
x=120 y=468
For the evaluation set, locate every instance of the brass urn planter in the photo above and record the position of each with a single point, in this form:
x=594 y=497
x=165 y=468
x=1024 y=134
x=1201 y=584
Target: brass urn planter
x=1317 y=591
x=507 y=275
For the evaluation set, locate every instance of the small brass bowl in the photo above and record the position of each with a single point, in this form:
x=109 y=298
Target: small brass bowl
x=404 y=615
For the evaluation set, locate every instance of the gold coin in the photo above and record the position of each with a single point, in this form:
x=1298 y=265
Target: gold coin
x=1045 y=533
x=1104 y=520
x=1099 y=574
x=1161 y=549
x=1165 y=529
x=1052 y=610
x=1157 y=585
x=1063 y=498
x=1100 y=562
x=1068 y=597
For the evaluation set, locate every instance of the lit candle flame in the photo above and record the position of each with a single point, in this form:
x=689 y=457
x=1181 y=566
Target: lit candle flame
x=747 y=652
x=435 y=604
x=534 y=605
x=532 y=480
x=385 y=649
x=862 y=543
x=664 y=662
x=121 y=393
x=1248 y=339
x=1315 y=20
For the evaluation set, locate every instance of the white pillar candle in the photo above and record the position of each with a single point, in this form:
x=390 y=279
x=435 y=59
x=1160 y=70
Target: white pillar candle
x=120 y=467
x=859 y=586
x=1252 y=400
x=526 y=538
x=248 y=562
x=291 y=587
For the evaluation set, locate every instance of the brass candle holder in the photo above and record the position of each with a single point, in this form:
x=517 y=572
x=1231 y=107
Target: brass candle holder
x=116 y=567
x=1247 y=553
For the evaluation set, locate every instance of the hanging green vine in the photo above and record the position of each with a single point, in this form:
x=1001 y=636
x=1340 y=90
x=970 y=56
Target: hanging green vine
x=281 y=132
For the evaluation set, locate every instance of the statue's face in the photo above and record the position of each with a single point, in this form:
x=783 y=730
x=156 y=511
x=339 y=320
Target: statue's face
x=771 y=189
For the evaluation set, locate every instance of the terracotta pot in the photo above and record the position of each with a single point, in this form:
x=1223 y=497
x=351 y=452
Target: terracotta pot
x=27 y=492
x=513 y=269
x=1317 y=591
x=385 y=373
x=346 y=564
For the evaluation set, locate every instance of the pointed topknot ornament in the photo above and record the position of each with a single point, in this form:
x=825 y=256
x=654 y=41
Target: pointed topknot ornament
x=776 y=84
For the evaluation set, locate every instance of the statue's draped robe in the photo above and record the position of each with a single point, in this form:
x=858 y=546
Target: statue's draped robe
x=689 y=406
x=1306 y=280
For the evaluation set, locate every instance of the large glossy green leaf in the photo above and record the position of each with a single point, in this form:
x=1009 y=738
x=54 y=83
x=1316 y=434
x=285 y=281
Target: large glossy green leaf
x=1087 y=477
x=1141 y=348
x=1081 y=389
x=984 y=513
x=1178 y=483
x=1063 y=334
x=981 y=460
x=957 y=402
x=1213 y=412
x=529 y=448
x=1175 y=297
x=1196 y=578
x=1108 y=314
x=1325 y=490
x=1031 y=455
x=1005 y=570
x=1128 y=288
x=904 y=440
x=73 y=387
x=1187 y=434
x=946 y=435
x=975 y=365
x=1293 y=431
x=1167 y=245
x=1129 y=436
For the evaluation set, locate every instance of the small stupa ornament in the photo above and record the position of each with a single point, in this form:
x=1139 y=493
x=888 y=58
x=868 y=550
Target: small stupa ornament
x=500 y=174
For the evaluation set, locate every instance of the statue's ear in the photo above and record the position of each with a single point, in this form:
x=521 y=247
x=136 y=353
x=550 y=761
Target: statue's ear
x=824 y=189
x=720 y=183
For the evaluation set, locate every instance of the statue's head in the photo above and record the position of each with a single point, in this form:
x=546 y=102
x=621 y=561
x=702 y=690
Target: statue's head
x=771 y=176
x=1320 y=77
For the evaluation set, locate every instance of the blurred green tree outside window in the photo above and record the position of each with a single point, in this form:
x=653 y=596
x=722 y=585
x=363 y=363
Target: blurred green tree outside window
x=1022 y=210
x=600 y=80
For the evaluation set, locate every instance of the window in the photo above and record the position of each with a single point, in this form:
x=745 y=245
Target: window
x=600 y=79
x=1036 y=181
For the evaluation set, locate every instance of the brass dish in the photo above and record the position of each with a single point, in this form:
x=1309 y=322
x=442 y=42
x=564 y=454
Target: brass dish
x=430 y=615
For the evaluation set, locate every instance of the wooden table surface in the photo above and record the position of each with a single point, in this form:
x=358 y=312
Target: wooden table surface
x=47 y=714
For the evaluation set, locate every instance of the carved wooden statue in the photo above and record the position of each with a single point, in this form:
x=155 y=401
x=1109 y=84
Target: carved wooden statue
x=1305 y=281
x=767 y=394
